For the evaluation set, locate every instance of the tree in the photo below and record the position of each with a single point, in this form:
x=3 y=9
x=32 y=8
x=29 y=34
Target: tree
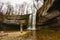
x=9 y=8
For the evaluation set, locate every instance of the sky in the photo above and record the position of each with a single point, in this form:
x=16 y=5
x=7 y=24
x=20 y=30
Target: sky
x=16 y=1
x=30 y=3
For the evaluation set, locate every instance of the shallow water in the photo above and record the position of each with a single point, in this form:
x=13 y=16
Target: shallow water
x=42 y=34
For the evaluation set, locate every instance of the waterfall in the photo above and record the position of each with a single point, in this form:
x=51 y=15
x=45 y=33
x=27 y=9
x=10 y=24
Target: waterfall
x=21 y=7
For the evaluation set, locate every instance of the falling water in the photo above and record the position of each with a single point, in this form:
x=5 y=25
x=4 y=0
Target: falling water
x=21 y=7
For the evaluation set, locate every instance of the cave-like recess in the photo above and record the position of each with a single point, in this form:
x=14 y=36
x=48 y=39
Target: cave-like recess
x=49 y=6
